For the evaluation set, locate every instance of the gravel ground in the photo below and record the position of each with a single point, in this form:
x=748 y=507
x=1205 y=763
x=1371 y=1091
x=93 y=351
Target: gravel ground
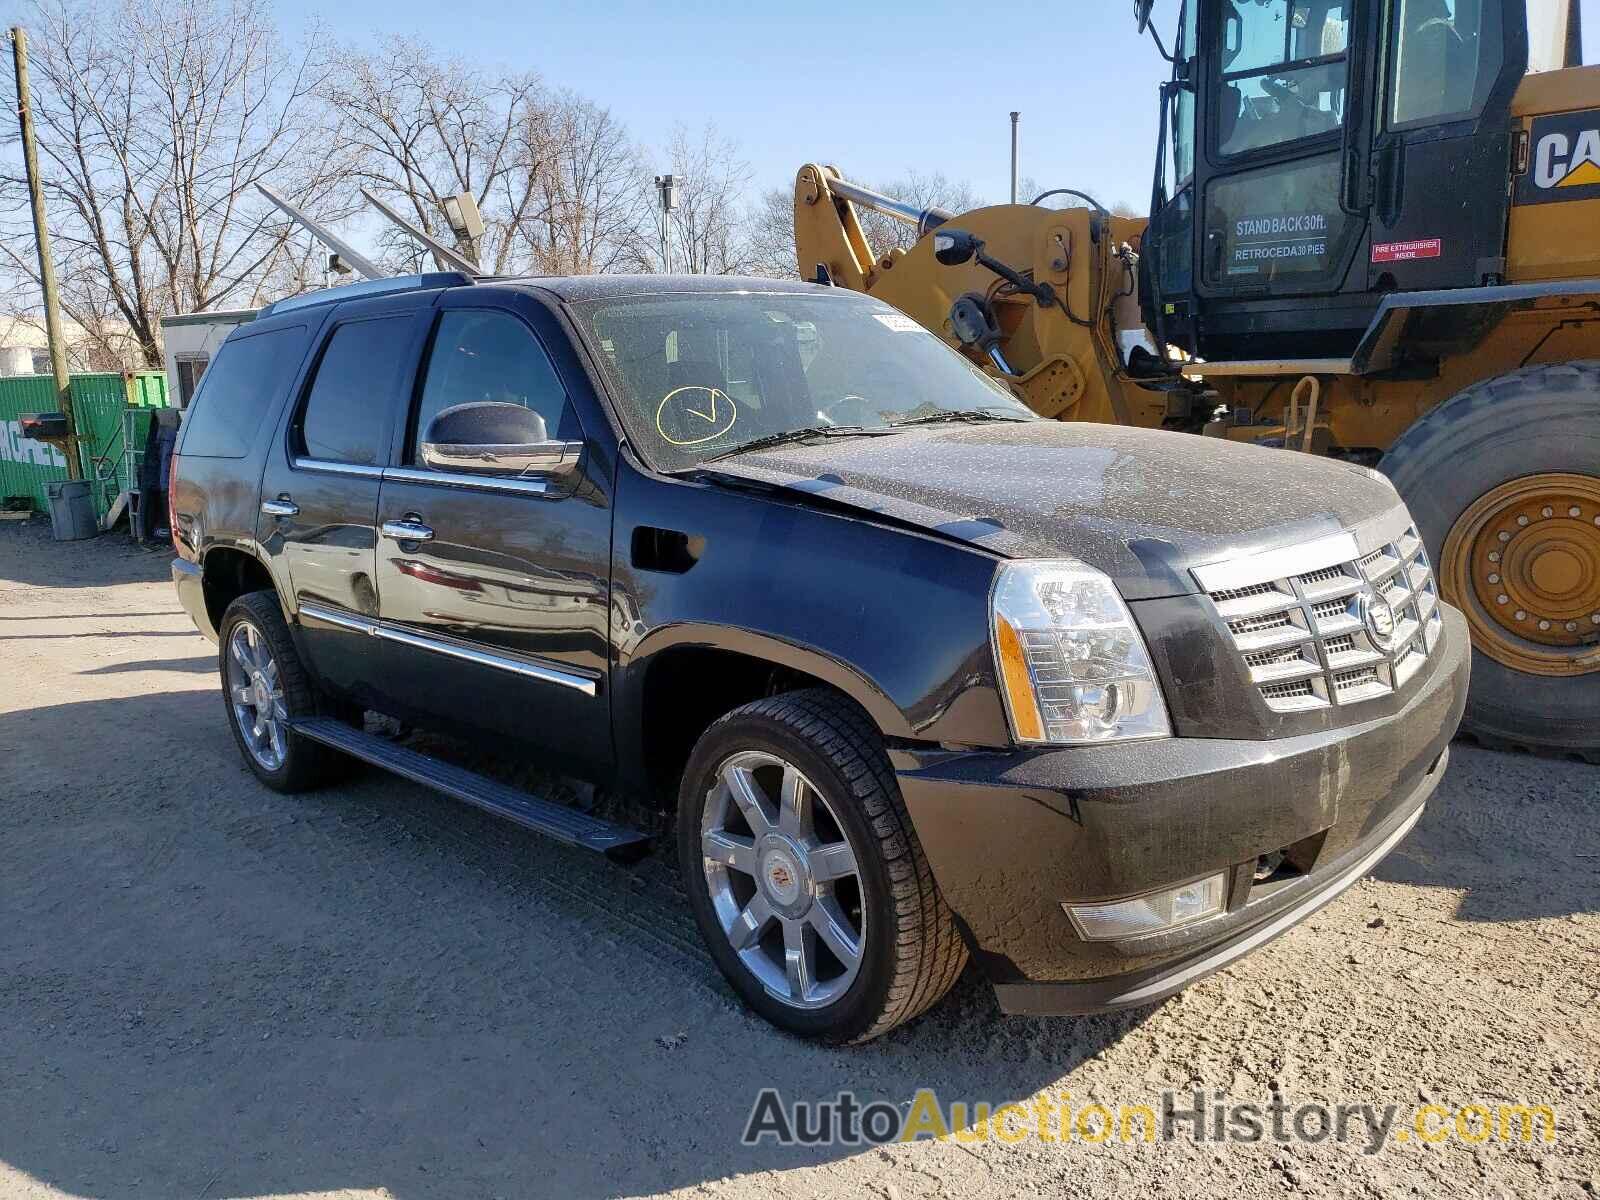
x=212 y=990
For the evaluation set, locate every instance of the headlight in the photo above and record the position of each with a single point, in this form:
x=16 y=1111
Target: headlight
x=1072 y=665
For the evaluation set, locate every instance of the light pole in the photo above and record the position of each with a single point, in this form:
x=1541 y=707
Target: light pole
x=667 y=187
x=1014 y=117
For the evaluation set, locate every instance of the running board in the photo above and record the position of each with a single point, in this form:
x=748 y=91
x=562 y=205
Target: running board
x=566 y=825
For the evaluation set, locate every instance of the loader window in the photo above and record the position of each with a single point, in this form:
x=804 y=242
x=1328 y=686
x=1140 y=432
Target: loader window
x=1182 y=115
x=1283 y=72
x=1277 y=224
x=1446 y=54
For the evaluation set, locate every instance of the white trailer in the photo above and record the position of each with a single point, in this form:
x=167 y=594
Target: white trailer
x=190 y=342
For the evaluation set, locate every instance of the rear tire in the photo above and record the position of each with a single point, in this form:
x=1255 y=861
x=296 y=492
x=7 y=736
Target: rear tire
x=1511 y=433
x=770 y=880
x=264 y=687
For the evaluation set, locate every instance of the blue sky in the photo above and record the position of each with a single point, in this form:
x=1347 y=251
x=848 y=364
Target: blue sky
x=878 y=87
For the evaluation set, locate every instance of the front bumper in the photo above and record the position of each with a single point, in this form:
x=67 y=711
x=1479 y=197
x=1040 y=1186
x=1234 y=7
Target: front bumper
x=187 y=578
x=1011 y=836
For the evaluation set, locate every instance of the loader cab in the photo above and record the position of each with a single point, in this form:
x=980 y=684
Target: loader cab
x=1319 y=154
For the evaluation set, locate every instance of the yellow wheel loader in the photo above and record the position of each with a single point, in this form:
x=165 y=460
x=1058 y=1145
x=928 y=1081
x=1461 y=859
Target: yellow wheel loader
x=1374 y=232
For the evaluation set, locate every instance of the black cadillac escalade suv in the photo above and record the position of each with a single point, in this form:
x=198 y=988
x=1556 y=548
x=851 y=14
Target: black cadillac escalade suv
x=923 y=676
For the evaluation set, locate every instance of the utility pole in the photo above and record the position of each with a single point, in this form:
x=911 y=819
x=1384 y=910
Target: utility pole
x=1014 y=117
x=47 y=270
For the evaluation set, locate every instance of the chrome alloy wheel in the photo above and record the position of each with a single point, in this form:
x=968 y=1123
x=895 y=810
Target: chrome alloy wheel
x=256 y=694
x=783 y=880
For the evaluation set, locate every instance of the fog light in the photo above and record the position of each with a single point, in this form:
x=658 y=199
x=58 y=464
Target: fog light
x=1152 y=913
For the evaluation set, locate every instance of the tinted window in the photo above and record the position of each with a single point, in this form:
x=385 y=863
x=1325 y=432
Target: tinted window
x=1446 y=54
x=482 y=356
x=346 y=416
x=235 y=393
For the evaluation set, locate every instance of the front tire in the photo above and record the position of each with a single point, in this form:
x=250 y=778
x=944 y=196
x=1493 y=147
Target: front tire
x=264 y=687
x=805 y=875
x=1503 y=484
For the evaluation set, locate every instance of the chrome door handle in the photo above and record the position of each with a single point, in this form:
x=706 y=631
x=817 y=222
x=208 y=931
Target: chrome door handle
x=280 y=508
x=406 y=531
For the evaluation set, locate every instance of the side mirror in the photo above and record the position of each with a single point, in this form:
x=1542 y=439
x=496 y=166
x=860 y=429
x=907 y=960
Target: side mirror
x=952 y=247
x=495 y=439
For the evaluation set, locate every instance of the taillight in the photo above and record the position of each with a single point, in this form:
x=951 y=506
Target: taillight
x=172 y=504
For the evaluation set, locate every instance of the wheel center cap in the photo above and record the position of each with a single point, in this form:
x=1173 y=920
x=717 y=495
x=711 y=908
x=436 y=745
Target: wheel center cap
x=785 y=875
x=1556 y=571
x=260 y=693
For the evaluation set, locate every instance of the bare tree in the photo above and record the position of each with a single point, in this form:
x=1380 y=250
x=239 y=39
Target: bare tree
x=770 y=224
x=592 y=203
x=155 y=122
x=1031 y=187
x=424 y=129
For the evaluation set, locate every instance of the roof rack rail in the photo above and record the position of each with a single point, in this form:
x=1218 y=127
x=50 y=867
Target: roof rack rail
x=369 y=287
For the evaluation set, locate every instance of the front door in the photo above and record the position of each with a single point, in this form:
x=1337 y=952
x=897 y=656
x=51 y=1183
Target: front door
x=1276 y=84
x=498 y=589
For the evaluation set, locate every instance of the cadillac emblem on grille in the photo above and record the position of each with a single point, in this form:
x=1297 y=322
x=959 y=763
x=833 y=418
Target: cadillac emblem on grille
x=1378 y=617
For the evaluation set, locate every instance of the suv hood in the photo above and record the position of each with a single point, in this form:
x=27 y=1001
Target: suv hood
x=1145 y=506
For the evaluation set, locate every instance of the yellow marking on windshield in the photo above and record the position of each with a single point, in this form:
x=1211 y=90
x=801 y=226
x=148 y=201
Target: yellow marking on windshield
x=714 y=404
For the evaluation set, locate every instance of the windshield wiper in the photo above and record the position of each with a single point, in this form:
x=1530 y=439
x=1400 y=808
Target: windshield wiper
x=973 y=415
x=798 y=435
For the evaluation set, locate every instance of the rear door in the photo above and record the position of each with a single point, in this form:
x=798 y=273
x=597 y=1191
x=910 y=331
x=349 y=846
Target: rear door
x=495 y=590
x=319 y=492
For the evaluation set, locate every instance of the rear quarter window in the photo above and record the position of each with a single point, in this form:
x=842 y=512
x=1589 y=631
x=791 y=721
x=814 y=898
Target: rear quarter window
x=246 y=378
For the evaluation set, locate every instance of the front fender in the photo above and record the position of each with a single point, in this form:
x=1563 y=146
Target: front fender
x=894 y=618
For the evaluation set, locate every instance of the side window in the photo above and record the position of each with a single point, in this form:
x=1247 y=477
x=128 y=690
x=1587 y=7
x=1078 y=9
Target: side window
x=480 y=355
x=1446 y=54
x=346 y=414
x=249 y=374
x=190 y=368
x=1283 y=72
x=1182 y=114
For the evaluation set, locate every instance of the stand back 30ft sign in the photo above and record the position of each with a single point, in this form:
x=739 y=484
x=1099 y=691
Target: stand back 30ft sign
x=1563 y=159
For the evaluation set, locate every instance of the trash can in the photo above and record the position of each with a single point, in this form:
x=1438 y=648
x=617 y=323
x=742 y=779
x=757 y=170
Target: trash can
x=71 y=510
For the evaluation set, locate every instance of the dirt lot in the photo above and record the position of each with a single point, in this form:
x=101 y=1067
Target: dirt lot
x=209 y=990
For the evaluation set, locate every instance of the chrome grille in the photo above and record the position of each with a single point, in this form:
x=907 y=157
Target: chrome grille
x=1307 y=621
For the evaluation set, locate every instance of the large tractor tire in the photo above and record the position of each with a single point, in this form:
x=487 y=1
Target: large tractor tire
x=1504 y=482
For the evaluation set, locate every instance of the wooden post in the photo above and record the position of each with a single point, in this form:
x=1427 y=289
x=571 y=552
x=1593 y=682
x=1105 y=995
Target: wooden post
x=47 y=270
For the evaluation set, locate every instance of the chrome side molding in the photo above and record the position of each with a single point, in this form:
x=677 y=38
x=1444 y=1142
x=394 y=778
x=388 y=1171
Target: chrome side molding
x=451 y=479
x=354 y=622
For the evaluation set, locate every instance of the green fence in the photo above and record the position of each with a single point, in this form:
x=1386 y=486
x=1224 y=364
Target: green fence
x=99 y=403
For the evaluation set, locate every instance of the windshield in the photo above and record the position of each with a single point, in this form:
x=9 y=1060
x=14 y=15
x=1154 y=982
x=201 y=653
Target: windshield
x=698 y=375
